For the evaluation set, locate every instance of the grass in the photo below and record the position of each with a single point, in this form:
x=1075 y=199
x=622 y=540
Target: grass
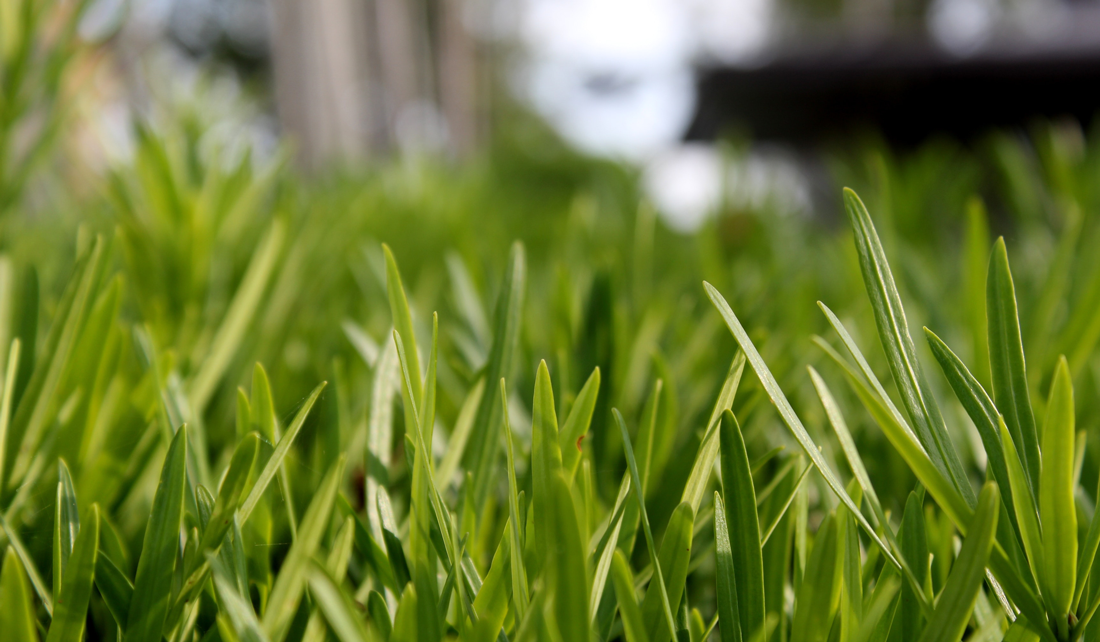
x=501 y=401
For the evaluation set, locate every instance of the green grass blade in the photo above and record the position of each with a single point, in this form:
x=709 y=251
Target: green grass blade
x=460 y=435
x=851 y=575
x=787 y=501
x=956 y=601
x=16 y=605
x=1057 y=510
x=1086 y=558
x=153 y=581
x=914 y=547
x=748 y=560
x=546 y=460
x=1027 y=514
x=66 y=524
x=402 y=321
x=631 y=613
x=285 y=594
x=901 y=355
x=491 y=603
x=577 y=423
x=603 y=563
x=337 y=567
x=675 y=560
x=818 y=597
x=276 y=460
x=701 y=470
x=636 y=482
x=229 y=495
x=237 y=612
x=482 y=447
x=1006 y=361
x=116 y=589
x=519 y=571
x=39 y=585
x=76 y=586
x=568 y=575
x=725 y=577
x=775 y=393
x=379 y=615
x=10 y=377
x=339 y=609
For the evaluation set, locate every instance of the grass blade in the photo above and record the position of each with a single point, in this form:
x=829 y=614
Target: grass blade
x=675 y=559
x=546 y=460
x=577 y=423
x=339 y=610
x=519 y=570
x=16 y=606
x=748 y=561
x=568 y=576
x=66 y=524
x=956 y=601
x=701 y=470
x=631 y=613
x=115 y=588
x=10 y=377
x=76 y=585
x=1057 y=510
x=1006 y=362
x=725 y=577
x=160 y=550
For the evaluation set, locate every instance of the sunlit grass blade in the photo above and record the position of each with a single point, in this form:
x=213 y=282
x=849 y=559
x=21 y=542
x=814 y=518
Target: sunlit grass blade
x=236 y=613
x=631 y=613
x=1006 y=361
x=603 y=563
x=741 y=510
x=229 y=495
x=70 y=614
x=482 y=447
x=901 y=355
x=66 y=524
x=460 y=434
x=786 y=412
x=379 y=615
x=1057 y=511
x=701 y=470
x=725 y=577
x=337 y=567
x=271 y=468
x=283 y=601
x=577 y=423
x=1027 y=514
x=956 y=601
x=17 y=617
x=159 y=553
x=340 y=611
x=115 y=588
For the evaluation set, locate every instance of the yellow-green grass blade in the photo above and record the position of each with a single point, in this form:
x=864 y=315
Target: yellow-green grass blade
x=160 y=550
x=914 y=548
x=287 y=591
x=1027 y=514
x=10 y=377
x=779 y=515
x=37 y=582
x=701 y=470
x=546 y=460
x=17 y=617
x=71 y=610
x=901 y=355
x=956 y=602
x=1057 y=511
x=481 y=450
x=263 y=418
x=1086 y=558
x=379 y=615
x=402 y=322
x=115 y=588
x=491 y=603
x=603 y=564
x=268 y=472
x=725 y=577
x=786 y=412
x=404 y=621
x=520 y=595
x=636 y=482
x=338 y=608
x=66 y=524
x=460 y=435
x=1006 y=362
x=577 y=422
x=675 y=561
x=229 y=495
x=336 y=565
x=623 y=581
x=236 y=615
x=740 y=506
x=565 y=564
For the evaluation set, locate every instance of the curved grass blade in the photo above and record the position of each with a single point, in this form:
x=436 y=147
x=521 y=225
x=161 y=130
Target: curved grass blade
x=76 y=585
x=16 y=606
x=283 y=601
x=1006 y=362
x=1057 y=510
x=153 y=581
x=748 y=561
x=956 y=601
x=116 y=589
x=775 y=393
x=276 y=460
x=66 y=524
x=725 y=577
x=577 y=423
x=901 y=355
x=631 y=613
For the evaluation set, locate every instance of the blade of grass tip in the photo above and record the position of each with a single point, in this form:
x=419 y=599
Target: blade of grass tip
x=402 y=322
x=339 y=610
x=66 y=524
x=227 y=339
x=276 y=460
x=979 y=407
x=386 y=382
x=901 y=355
x=577 y=423
x=285 y=594
x=1006 y=362
x=775 y=393
x=786 y=504
x=263 y=416
x=70 y=615
x=545 y=453
x=748 y=559
x=701 y=470
x=519 y=571
x=956 y=601
x=115 y=588
x=39 y=585
x=17 y=617
x=482 y=447
x=631 y=613
x=725 y=576
x=636 y=482
x=153 y=581
x=1057 y=510
x=380 y=615
x=10 y=378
